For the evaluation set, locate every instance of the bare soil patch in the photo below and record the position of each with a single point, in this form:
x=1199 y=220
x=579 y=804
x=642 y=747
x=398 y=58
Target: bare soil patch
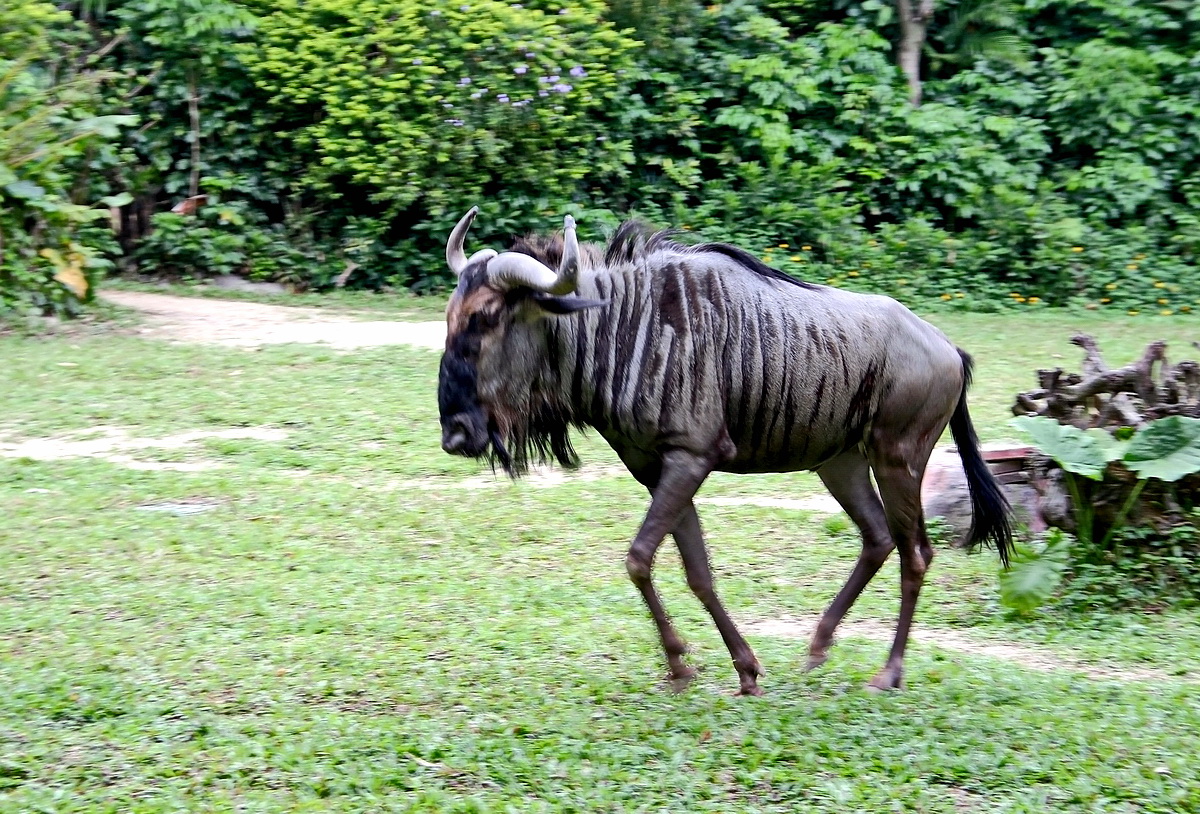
x=824 y=504
x=1034 y=658
x=239 y=324
x=117 y=445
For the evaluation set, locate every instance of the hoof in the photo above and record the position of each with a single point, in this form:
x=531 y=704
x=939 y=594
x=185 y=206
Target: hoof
x=680 y=679
x=886 y=681
x=815 y=660
x=753 y=690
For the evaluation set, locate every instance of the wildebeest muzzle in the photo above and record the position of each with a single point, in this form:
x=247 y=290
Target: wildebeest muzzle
x=464 y=425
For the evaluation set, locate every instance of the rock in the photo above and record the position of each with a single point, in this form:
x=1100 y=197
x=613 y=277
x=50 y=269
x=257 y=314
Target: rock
x=231 y=282
x=944 y=494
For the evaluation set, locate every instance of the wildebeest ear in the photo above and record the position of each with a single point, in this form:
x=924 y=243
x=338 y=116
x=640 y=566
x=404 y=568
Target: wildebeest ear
x=565 y=305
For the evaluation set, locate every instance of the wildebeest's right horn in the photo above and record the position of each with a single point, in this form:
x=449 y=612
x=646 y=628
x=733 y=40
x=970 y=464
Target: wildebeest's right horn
x=456 y=258
x=514 y=268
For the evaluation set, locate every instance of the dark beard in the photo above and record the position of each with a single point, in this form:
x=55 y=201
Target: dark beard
x=543 y=436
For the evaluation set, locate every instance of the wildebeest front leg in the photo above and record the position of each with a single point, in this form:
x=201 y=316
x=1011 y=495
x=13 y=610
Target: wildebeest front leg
x=690 y=541
x=680 y=476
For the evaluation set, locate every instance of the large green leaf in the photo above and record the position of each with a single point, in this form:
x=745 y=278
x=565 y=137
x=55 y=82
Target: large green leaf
x=1166 y=449
x=25 y=190
x=1084 y=453
x=1033 y=575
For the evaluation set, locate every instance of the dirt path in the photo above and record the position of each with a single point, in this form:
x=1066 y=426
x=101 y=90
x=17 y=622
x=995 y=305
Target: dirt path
x=1034 y=658
x=250 y=324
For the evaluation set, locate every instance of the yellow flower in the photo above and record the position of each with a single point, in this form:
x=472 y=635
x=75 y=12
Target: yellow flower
x=783 y=245
x=1166 y=312
x=1185 y=308
x=1163 y=301
x=806 y=248
x=1034 y=300
x=1132 y=266
x=1139 y=257
x=852 y=274
x=795 y=258
x=686 y=228
x=872 y=242
x=1020 y=299
x=1105 y=300
x=1076 y=248
x=1111 y=286
x=1159 y=285
x=902 y=282
x=960 y=295
x=1133 y=312
x=947 y=297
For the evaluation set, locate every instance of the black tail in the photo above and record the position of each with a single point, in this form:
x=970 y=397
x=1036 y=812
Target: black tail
x=988 y=503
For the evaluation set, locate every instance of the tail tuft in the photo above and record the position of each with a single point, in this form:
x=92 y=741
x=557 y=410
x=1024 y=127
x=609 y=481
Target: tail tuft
x=990 y=509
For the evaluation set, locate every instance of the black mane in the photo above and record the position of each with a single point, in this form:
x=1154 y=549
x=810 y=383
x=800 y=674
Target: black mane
x=634 y=240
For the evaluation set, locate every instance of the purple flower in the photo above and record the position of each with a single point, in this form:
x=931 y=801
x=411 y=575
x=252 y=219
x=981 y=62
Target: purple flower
x=561 y=87
x=416 y=62
x=455 y=122
x=529 y=55
x=466 y=80
x=552 y=78
x=476 y=95
x=578 y=71
x=521 y=69
x=502 y=98
x=447 y=105
x=435 y=13
x=543 y=93
x=563 y=11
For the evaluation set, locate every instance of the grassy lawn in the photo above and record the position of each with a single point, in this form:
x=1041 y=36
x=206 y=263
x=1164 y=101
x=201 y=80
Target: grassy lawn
x=347 y=627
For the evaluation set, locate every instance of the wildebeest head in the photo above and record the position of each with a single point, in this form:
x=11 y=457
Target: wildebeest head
x=491 y=386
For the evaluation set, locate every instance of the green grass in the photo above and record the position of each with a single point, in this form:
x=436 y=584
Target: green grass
x=349 y=630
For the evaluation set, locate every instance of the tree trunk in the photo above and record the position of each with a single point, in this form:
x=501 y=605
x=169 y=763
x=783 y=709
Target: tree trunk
x=194 y=111
x=914 y=23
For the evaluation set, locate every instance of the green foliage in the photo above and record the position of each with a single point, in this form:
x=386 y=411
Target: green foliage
x=1142 y=567
x=1054 y=162
x=234 y=238
x=408 y=111
x=1034 y=574
x=1165 y=450
x=1083 y=452
x=50 y=252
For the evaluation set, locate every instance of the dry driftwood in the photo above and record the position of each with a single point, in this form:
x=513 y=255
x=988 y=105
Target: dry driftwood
x=1148 y=389
x=1131 y=396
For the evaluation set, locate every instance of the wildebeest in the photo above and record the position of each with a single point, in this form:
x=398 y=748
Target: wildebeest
x=694 y=359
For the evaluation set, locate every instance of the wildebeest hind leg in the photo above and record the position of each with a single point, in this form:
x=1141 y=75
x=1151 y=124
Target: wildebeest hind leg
x=690 y=541
x=900 y=488
x=672 y=485
x=848 y=479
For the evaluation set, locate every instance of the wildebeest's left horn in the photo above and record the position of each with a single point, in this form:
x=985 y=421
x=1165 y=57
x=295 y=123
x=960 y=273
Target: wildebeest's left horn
x=515 y=269
x=456 y=258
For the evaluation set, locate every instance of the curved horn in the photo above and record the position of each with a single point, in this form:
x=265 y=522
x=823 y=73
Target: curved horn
x=511 y=269
x=456 y=258
x=514 y=268
x=568 y=267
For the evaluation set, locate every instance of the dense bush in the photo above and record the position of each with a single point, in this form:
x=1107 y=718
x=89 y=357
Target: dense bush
x=54 y=240
x=1054 y=160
